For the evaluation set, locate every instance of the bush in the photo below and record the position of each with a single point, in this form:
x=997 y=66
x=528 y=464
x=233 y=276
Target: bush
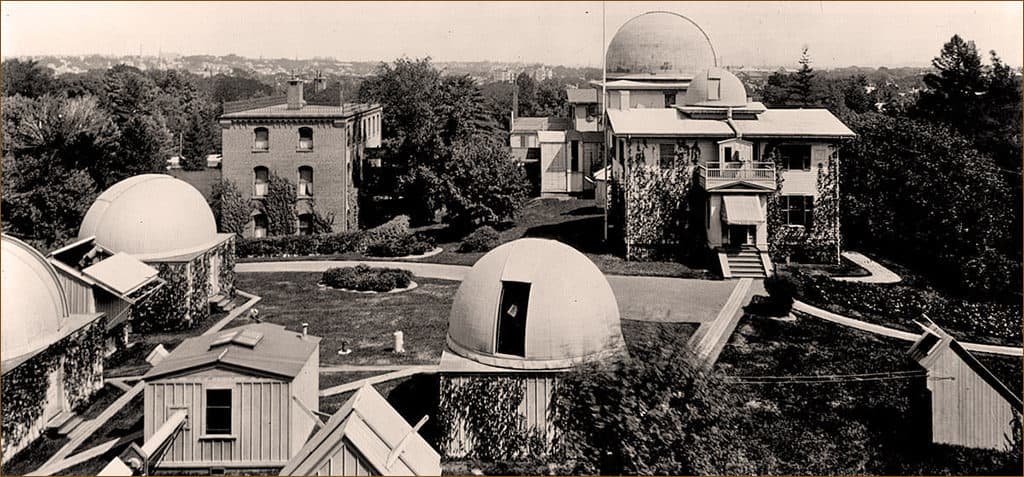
x=481 y=240
x=392 y=230
x=365 y=278
x=400 y=247
x=781 y=289
x=298 y=245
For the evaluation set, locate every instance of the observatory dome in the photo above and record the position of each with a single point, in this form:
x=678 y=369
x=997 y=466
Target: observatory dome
x=33 y=305
x=151 y=216
x=659 y=44
x=534 y=304
x=716 y=87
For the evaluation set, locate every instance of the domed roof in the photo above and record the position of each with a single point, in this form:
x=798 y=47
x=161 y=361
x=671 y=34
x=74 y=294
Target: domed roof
x=32 y=303
x=716 y=87
x=570 y=312
x=657 y=44
x=151 y=216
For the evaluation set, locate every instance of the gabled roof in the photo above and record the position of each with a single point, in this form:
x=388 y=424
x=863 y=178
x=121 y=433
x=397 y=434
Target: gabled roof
x=934 y=342
x=374 y=429
x=532 y=124
x=581 y=95
x=262 y=348
x=773 y=123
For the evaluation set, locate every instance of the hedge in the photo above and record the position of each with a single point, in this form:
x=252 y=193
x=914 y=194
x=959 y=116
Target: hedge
x=365 y=278
x=481 y=240
x=400 y=247
x=324 y=244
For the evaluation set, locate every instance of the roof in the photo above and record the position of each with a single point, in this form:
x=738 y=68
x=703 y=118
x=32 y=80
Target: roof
x=261 y=348
x=571 y=315
x=121 y=272
x=935 y=341
x=376 y=431
x=151 y=216
x=663 y=44
x=34 y=308
x=547 y=123
x=802 y=123
x=581 y=95
x=309 y=111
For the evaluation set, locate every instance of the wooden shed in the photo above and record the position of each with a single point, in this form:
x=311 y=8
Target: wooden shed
x=366 y=437
x=251 y=394
x=969 y=405
x=96 y=279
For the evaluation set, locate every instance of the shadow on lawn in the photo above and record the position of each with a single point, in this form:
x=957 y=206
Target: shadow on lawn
x=583 y=234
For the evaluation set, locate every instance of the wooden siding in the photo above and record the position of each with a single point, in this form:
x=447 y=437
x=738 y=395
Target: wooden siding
x=78 y=294
x=533 y=410
x=261 y=418
x=346 y=460
x=966 y=410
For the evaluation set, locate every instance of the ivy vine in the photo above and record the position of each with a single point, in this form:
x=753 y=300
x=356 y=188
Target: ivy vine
x=821 y=243
x=658 y=203
x=487 y=409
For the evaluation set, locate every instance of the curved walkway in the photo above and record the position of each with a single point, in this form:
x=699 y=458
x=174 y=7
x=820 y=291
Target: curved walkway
x=667 y=291
x=879 y=274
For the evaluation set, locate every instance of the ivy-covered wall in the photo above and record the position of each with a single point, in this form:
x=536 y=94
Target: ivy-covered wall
x=821 y=243
x=480 y=417
x=168 y=307
x=226 y=278
x=658 y=202
x=24 y=390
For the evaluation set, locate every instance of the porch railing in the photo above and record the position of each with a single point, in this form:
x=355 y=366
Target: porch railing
x=755 y=172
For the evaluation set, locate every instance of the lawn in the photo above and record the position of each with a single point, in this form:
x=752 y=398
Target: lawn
x=365 y=322
x=876 y=427
x=577 y=222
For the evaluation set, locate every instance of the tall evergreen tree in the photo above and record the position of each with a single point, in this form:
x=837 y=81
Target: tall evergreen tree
x=953 y=90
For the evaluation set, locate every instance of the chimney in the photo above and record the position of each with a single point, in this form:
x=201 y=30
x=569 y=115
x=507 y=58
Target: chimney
x=295 y=93
x=305 y=329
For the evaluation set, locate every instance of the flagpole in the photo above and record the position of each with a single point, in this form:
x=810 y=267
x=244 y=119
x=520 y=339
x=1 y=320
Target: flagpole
x=604 y=98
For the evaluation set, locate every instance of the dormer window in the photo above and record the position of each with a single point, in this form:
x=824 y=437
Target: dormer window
x=261 y=139
x=305 y=139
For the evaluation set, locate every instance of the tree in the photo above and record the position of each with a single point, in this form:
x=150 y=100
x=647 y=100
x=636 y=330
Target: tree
x=952 y=92
x=51 y=147
x=25 y=77
x=481 y=184
x=144 y=143
x=463 y=107
x=230 y=208
x=279 y=206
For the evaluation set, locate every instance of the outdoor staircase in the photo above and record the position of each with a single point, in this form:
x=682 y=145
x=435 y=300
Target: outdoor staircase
x=222 y=303
x=744 y=262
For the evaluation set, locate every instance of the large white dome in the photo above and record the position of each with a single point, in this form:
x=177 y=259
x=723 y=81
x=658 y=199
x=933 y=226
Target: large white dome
x=571 y=315
x=32 y=306
x=659 y=44
x=151 y=216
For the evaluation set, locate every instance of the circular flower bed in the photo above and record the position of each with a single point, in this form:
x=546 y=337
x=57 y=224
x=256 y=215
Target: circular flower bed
x=365 y=278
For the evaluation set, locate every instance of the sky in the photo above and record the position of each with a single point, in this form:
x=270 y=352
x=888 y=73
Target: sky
x=554 y=33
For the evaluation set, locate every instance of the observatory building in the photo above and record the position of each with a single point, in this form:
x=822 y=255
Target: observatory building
x=525 y=312
x=167 y=224
x=52 y=358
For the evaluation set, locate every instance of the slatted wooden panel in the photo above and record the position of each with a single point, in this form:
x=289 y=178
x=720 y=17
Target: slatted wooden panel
x=965 y=409
x=261 y=422
x=78 y=294
x=346 y=460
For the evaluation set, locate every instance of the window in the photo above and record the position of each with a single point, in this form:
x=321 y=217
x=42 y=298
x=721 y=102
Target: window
x=574 y=165
x=261 y=141
x=305 y=139
x=592 y=110
x=218 y=412
x=666 y=156
x=796 y=157
x=670 y=99
x=515 y=299
x=261 y=177
x=306 y=224
x=305 y=182
x=798 y=210
x=730 y=156
x=260 y=226
x=714 y=89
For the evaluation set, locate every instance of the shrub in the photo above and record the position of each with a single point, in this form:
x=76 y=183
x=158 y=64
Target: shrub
x=781 y=289
x=400 y=247
x=481 y=240
x=301 y=245
x=394 y=229
x=365 y=278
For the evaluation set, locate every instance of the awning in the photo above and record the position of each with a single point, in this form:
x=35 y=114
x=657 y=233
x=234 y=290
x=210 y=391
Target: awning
x=122 y=273
x=742 y=210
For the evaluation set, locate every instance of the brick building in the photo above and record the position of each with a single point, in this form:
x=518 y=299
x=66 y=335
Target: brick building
x=319 y=148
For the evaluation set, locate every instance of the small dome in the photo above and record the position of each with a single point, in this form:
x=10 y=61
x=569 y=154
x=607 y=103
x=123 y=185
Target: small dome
x=569 y=310
x=151 y=216
x=716 y=87
x=33 y=304
x=659 y=44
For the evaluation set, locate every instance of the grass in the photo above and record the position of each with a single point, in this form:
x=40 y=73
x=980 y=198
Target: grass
x=876 y=427
x=845 y=268
x=577 y=222
x=364 y=322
